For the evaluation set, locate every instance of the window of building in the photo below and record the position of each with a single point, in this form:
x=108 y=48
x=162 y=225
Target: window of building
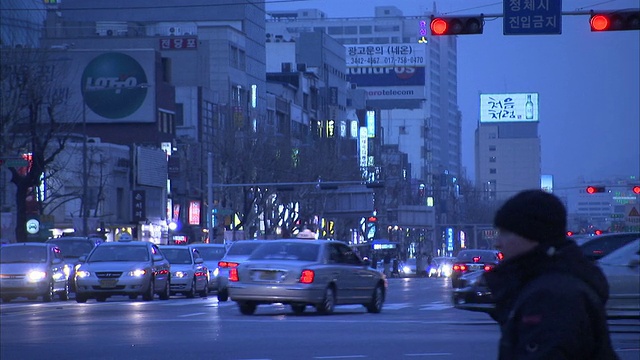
x=366 y=29
x=493 y=135
x=335 y=30
x=492 y=148
x=320 y=29
x=350 y=30
x=492 y=159
x=492 y=171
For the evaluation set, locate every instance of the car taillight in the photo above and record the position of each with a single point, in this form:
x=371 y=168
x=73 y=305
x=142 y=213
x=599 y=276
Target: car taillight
x=227 y=264
x=233 y=274
x=307 y=276
x=476 y=259
x=459 y=267
x=488 y=267
x=500 y=256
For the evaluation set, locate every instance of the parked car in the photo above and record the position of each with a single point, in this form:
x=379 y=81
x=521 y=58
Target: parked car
x=473 y=260
x=211 y=253
x=299 y=273
x=237 y=252
x=622 y=270
x=73 y=247
x=188 y=273
x=596 y=247
x=441 y=266
x=123 y=268
x=31 y=270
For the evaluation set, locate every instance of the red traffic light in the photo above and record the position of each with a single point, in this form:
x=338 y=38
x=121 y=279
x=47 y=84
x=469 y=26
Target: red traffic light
x=636 y=189
x=457 y=25
x=597 y=232
x=615 y=20
x=595 y=189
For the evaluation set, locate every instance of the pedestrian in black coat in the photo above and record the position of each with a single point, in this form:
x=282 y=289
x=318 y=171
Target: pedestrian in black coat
x=549 y=297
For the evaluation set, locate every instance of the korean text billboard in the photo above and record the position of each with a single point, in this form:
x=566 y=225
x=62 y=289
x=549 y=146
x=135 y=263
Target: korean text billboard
x=517 y=107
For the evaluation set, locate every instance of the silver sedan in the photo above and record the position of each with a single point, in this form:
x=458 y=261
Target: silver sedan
x=301 y=273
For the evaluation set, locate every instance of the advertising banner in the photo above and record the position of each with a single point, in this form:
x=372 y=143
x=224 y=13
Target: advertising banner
x=113 y=86
x=385 y=55
x=519 y=107
x=389 y=76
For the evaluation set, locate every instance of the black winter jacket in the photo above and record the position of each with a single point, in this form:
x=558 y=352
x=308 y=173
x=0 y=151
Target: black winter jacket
x=550 y=305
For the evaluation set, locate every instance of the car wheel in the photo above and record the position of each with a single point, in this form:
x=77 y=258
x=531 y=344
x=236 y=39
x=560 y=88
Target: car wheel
x=205 y=289
x=298 y=309
x=64 y=294
x=192 y=291
x=223 y=294
x=247 y=308
x=166 y=292
x=328 y=303
x=148 y=295
x=48 y=296
x=81 y=298
x=377 y=299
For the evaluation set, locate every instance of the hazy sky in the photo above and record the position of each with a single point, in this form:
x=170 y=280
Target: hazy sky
x=588 y=83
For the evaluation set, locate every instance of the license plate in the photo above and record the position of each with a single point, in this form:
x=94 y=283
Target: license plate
x=266 y=275
x=476 y=267
x=108 y=283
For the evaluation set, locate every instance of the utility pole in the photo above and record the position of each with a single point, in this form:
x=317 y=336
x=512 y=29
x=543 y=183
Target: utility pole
x=85 y=171
x=210 y=196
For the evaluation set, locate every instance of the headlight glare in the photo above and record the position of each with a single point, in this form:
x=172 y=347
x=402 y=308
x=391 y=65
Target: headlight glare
x=137 y=272
x=36 y=275
x=82 y=273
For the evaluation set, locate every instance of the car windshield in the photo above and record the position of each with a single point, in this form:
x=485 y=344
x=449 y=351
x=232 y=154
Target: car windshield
x=74 y=248
x=178 y=256
x=211 y=253
x=23 y=254
x=286 y=251
x=243 y=247
x=119 y=253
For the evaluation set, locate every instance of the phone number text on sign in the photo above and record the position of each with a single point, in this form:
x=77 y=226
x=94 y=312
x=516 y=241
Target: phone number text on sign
x=386 y=55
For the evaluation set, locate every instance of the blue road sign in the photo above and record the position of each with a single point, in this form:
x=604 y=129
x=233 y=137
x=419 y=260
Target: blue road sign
x=532 y=17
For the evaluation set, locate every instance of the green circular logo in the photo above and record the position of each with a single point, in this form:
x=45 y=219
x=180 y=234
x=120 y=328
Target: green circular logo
x=113 y=85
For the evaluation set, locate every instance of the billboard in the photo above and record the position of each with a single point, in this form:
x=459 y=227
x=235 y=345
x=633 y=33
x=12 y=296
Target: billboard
x=514 y=107
x=113 y=86
x=386 y=55
x=389 y=83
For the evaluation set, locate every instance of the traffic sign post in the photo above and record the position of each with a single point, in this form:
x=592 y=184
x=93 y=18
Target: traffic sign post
x=532 y=17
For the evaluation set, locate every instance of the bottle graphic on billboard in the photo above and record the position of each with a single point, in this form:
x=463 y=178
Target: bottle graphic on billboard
x=528 y=108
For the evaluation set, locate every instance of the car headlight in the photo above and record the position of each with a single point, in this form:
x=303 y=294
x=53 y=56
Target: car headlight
x=137 y=272
x=180 y=274
x=216 y=271
x=36 y=275
x=406 y=269
x=82 y=273
x=67 y=270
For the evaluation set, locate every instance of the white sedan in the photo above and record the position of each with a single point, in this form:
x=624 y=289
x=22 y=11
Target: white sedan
x=622 y=269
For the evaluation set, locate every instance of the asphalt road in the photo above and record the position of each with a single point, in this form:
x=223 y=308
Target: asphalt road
x=417 y=322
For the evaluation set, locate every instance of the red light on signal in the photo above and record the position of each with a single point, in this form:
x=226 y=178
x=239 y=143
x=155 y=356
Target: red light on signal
x=594 y=189
x=439 y=26
x=569 y=233
x=636 y=189
x=598 y=232
x=599 y=22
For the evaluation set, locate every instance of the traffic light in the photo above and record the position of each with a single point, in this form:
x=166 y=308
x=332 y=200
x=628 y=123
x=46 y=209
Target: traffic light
x=595 y=189
x=457 y=25
x=636 y=189
x=615 y=20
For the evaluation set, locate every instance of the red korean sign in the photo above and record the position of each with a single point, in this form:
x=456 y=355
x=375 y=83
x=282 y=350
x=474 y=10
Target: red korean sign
x=194 y=212
x=181 y=43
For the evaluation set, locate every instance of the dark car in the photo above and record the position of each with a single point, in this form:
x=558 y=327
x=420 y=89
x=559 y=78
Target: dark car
x=72 y=248
x=473 y=260
x=597 y=247
x=473 y=293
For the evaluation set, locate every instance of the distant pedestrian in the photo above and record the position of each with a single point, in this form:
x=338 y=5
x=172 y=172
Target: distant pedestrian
x=549 y=297
x=386 y=261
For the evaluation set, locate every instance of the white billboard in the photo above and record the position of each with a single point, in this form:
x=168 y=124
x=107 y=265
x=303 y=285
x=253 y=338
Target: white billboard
x=386 y=55
x=516 y=107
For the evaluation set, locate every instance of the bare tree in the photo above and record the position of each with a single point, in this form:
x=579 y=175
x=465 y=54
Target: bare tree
x=34 y=119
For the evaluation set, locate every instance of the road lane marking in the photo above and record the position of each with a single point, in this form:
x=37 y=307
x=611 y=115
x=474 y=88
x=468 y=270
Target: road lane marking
x=192 y=314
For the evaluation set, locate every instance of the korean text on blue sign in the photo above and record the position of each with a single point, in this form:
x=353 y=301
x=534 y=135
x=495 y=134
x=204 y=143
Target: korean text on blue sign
x=532 y=17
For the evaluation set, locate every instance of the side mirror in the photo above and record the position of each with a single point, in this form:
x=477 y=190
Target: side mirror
x=56 y=261
x=157 y=258
x=199 y=261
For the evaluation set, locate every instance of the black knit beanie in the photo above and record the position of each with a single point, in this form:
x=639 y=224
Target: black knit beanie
x=534 y=214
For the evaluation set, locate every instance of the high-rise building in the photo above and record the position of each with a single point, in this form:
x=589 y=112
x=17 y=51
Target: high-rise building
x=507 y=146
x=410 y=78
